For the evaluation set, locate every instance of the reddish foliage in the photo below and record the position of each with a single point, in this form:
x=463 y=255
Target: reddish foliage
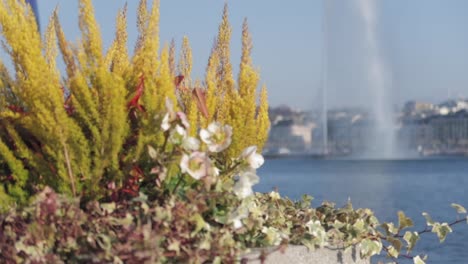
x=17 y=109
x=178 y=80
x=197 y=93
x=131 y=186
x=134 y=102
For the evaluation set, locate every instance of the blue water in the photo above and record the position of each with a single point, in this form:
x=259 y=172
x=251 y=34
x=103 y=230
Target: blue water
x=386 y=187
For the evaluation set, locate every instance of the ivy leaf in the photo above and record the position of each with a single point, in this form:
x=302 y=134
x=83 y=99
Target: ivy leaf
x=174 y=245
x=104 y=242
x=404 y=221
x=309 y=244
x=337 y=224
x=359 y=226
x=429 y=220
x=108 y=207
x=392 y=252
x=396 y=243
x=418 y=260
x=370 y=247
x=390 y=228
x=441 y=230
x=199 y=223
x=411 y=239
x=460 y=209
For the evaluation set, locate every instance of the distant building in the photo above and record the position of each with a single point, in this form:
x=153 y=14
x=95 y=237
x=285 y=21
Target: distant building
x=442 y=133
x=291 y=131
x=423 y=128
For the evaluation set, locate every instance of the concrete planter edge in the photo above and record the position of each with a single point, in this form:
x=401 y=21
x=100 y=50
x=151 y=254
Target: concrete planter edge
x=301 y=255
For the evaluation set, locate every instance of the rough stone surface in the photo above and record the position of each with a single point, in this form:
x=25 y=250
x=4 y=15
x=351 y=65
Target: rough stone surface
x=302 y=255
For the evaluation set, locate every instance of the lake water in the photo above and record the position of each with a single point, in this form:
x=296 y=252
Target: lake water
x=386 y=187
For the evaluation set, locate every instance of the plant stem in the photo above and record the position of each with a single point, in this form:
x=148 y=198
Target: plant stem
x=177 y=184
x=70 y=172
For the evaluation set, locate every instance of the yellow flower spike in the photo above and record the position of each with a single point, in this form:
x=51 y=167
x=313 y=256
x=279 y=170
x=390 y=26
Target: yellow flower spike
x=185 y=62
x=67 y=53
x=262 y=121
x=248 y=82
x=142 y=22
x=211 y=87
x=193 y=112
x=165 y=83
x=50 y=45
x=172 y=63
x=90 y=34
x=117 y=56
x=225 y=80
x=185 y=69
x=145 y=60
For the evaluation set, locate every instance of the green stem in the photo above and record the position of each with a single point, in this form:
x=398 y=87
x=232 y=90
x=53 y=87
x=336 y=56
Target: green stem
x=177 y=184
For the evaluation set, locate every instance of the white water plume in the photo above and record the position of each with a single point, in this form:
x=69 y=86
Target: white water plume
x=382 y=138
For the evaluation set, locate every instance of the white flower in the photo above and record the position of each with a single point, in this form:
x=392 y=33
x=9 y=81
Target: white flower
x=254 y=159
x=197 y=165
x=165 y=125
x=191 y=144
x=172 y=116
x=178 y=135
x=243 y=187
x=216 y=136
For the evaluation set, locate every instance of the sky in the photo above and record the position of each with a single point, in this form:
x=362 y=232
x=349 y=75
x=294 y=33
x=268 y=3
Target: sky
x=423 y=44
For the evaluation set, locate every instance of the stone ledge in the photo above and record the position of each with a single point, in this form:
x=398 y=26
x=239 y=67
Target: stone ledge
x=302 y=255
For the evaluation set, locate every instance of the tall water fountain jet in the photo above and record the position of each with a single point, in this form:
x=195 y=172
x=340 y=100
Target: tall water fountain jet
x=383 y=134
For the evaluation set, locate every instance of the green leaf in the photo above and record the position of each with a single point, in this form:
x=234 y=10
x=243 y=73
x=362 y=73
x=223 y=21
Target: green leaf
x=370 y=247
x=396 y=243
x=108 y=207
x=390 y=228
x=418 y=260
x=404 y=221
x=218 y=260
x=442 y=230
x=310 y=244
x=429 y=220
x=104 y=242
x=199 y=223
x=359 y=226
x=460 y=209
x=337 y=224
x=411 y=239
x=174 y=245
x=392 y=252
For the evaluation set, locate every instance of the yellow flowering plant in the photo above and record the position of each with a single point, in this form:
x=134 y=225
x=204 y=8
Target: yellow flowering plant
x=80 y=131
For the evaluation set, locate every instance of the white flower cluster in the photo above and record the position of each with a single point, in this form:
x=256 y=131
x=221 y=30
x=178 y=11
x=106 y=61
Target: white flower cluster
x=217 y=138
x=196 y=161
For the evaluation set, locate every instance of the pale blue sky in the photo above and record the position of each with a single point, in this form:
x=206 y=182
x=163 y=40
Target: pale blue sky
x=424 y=43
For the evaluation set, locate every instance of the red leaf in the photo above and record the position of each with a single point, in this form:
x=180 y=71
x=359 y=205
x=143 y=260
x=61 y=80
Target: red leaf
x=178 y=80
x=17 y=109
x=139 y=92
x=199 y=95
